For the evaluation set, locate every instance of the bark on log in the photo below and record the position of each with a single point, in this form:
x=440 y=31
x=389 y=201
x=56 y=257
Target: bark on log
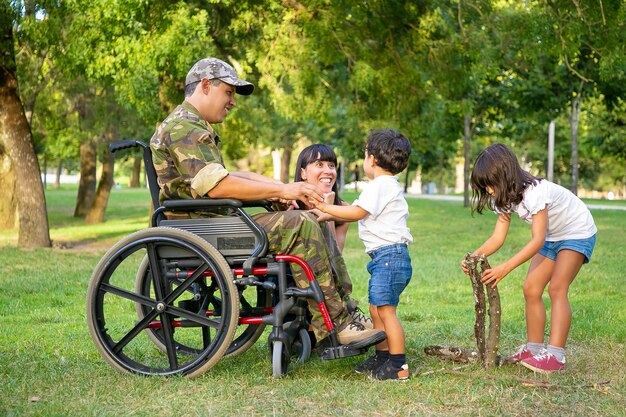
x=487 y=351
x=455 y=353
x=493 y=340
x=479 y=303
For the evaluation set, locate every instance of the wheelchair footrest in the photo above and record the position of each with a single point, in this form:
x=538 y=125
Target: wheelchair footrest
x=342 y=351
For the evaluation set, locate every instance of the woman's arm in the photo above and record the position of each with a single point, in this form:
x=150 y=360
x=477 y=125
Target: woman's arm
x=539 y=228
x=341 y=230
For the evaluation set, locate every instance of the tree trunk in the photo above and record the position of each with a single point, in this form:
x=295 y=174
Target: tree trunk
x=57 y=178
x=574 y=120
x=135 y=175
x=95 y=214
x=87 y=183
x=8 y=204
x=17 y=137
x=467 y=150
x=45 y=170
x=285 y=160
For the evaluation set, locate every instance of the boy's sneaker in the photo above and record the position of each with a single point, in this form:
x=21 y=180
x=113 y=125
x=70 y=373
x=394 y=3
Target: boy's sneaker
x=521 y=354
x=387 y=372
x=358 y=316
x=369 y=365
x=544 y=362
x=357 y=336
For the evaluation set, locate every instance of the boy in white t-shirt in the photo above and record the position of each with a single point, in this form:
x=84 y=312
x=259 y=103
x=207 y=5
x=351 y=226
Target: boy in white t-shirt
x=382 y=212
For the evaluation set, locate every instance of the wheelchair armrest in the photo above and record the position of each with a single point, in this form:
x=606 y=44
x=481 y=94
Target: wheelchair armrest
x=201 y=203
x=216 y=202
x=266 y=204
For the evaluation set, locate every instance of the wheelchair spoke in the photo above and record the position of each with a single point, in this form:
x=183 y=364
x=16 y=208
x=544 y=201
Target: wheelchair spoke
x=136 y=330
x=168 y=334
x=185 y=284
x=160 y=284
x=197 y=318
x=138 y=298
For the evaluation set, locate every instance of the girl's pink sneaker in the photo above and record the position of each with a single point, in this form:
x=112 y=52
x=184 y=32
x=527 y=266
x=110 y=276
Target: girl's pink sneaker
x=521 y=354
x=544 y=362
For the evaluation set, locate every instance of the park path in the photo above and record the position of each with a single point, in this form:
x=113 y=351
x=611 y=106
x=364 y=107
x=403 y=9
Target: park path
x=460 y=198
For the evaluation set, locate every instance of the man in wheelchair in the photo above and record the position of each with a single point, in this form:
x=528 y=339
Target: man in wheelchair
x=189 y=165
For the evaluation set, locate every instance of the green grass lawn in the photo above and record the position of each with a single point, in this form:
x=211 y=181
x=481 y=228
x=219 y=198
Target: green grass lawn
x=49 y=365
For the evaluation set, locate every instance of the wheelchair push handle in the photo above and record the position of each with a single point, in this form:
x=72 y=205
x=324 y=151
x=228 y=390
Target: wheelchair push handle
x=125 y=144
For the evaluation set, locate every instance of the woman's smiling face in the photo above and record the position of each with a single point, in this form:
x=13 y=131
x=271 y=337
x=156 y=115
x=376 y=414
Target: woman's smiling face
x=320 y=173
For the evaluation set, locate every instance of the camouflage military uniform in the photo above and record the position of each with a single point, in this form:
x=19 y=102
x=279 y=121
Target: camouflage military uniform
x=185 y=145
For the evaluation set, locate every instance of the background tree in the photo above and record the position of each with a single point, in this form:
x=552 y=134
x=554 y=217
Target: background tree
x=17 y=138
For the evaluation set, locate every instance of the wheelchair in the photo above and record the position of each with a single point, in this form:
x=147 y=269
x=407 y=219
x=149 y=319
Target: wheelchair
x=176 y=297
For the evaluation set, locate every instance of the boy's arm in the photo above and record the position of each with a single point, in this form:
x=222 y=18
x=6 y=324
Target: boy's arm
x=341 y=213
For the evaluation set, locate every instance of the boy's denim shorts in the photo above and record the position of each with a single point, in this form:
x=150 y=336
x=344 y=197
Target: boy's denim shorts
x=390 y=272
x=585 y=246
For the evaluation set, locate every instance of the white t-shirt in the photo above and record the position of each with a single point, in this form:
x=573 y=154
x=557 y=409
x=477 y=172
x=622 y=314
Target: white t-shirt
x=385 y=225
x=568 y=216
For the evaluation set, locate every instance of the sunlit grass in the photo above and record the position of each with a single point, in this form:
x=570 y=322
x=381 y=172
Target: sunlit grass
x=50 y=366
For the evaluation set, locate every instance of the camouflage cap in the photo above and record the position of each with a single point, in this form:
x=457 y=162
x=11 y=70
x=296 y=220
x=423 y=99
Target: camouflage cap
x=211 y=68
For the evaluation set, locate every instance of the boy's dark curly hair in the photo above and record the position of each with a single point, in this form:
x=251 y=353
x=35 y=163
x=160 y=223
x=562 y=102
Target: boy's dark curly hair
x=390 y=148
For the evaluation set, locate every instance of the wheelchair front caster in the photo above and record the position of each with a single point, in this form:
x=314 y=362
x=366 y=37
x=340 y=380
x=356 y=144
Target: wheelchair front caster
x=280 y=359
x=281 y=354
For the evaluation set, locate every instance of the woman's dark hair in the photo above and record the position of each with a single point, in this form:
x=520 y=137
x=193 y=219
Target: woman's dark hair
x=312 y=153
x=498 y=168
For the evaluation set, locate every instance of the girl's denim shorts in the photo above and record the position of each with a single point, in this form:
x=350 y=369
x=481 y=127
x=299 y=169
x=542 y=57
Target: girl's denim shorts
x=390 y=272
x=584 y=246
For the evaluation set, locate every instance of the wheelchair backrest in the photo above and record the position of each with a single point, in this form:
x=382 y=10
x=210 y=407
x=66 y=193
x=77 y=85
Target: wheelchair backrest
x=234 y=236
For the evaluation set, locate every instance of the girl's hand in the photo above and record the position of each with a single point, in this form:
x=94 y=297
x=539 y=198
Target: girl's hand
x=464 y=267
x=494 y=275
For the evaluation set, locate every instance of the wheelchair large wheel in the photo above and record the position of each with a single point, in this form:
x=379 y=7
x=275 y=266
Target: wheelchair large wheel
x=189 y=304
x=253 y=301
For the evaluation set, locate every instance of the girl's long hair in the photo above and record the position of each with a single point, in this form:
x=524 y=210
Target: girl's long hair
x=312 y=153
x=498 y=168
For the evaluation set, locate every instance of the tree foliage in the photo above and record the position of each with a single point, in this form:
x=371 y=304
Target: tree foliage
x=443 y=72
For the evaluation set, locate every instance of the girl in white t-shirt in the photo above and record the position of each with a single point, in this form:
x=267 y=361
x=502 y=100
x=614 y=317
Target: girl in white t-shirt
x=563 y=238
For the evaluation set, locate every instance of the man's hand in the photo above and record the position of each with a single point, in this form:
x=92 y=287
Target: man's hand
x=283 y=204
x=302 y=191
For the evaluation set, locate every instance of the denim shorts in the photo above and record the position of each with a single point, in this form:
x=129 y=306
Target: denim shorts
x=390 y=272
x=584 y=246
